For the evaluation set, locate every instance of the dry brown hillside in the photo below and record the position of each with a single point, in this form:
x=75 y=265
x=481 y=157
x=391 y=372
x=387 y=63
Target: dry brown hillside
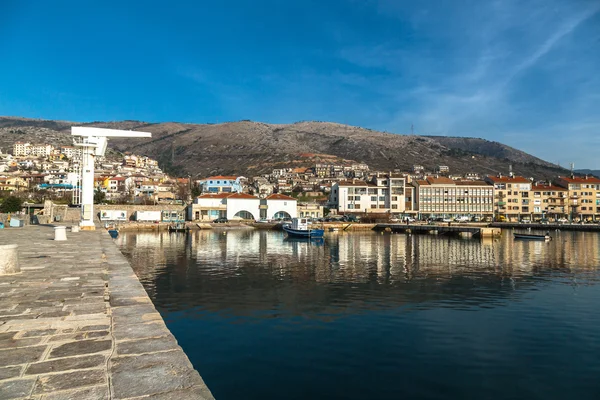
x=250 y=148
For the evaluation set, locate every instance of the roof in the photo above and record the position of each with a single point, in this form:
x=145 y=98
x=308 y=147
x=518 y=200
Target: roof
x=355 y=183
x=279 y=196
x=508 y=179
x=580 y=179
x=548 y=187
x=242 y=196
x=472 y=183
x=439 y=181
x=214 y=195
x=231 y=177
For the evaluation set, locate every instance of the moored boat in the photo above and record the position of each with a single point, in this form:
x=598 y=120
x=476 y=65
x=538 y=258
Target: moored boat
x=527 y=236
x=300 y=228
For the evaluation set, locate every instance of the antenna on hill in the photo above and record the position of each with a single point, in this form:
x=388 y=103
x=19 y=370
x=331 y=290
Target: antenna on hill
x=510 y=171
x=412 y=129
x=572 y=170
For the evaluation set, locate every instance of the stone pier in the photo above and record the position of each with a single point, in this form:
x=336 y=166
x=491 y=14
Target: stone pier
x=76 y=323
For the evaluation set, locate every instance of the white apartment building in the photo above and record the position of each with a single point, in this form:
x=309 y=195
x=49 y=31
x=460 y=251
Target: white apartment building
x=444 y=197
x=382 y=194
x=41 y=150
x=69 y=151
x=21 y=149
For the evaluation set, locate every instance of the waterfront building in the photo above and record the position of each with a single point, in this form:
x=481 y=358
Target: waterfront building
x=210 y=206
x=583 y=196
x=549 y=201
x=511 y=197
x=443 y=197
x=278 y=206
x=310 y=210
x=381 y=194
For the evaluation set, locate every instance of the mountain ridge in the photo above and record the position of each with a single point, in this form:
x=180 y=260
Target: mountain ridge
x=247 y=147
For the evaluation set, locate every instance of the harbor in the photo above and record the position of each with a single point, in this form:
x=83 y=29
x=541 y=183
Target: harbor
x=76 y=323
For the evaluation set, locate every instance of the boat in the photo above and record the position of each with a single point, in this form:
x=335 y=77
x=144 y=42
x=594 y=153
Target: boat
x=113 y=233
x=300 y=228
x=528 y=236
x=178 y=227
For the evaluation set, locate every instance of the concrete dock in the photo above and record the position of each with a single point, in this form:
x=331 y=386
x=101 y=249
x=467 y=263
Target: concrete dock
x=452 y=229
x=76 y=323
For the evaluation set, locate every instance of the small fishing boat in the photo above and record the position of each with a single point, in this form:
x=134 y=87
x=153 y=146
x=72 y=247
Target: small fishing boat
x=178 y=227
x=300 y=228
x=528 y=236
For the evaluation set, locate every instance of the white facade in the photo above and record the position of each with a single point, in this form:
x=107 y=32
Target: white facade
x=383 y=194
x=239 y=204
x=21 y=149
x=279 y=206
x=41 y=150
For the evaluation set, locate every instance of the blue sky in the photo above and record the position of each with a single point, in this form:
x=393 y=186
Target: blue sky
x=521 y=72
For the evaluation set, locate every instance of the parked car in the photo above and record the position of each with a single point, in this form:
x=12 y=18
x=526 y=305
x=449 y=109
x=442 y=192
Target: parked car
x=462 y=218
x=221 y=220
x=562 y=220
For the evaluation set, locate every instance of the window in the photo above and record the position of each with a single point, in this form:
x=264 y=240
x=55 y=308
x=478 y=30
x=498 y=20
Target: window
x=373 y=198
x=381 y=198
x=373 y=205
x=394 y=198
x=395 y=206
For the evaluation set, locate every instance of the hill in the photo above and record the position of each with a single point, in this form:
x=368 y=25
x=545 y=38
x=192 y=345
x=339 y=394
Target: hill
x=594 y=172
x=247 y=147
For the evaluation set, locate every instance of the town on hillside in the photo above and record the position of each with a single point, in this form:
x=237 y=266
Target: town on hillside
x=39 y=172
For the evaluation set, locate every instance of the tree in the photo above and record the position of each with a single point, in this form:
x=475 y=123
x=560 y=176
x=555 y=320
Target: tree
x=99 y=196
x=196 y=191
x=11 y=204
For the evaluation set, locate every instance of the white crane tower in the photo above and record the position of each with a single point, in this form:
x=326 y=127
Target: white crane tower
x=93 y=143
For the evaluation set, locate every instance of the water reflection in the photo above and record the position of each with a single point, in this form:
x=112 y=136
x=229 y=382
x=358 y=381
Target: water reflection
x=261 y=266
x=373 y=316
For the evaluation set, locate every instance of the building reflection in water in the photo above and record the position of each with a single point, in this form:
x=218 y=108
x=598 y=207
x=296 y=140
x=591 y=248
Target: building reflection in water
x=243 y=270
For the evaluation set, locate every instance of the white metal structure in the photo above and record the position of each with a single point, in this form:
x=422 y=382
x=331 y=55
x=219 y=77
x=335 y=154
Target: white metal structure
x=93 y=143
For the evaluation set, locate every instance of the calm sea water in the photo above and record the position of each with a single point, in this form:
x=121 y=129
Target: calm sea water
x=372 y=316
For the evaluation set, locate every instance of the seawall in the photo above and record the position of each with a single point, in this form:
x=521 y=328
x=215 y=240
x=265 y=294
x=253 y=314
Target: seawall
x=76 y=323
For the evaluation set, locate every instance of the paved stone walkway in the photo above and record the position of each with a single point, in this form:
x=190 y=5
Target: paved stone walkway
x=76 y=323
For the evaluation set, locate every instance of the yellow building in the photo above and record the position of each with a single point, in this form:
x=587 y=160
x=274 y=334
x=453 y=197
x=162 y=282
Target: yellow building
x=512 y=199
x=549 y=201
x=583 y=196
x=13 y=184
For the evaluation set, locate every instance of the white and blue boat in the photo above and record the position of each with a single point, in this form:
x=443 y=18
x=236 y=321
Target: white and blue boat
x=301 y=228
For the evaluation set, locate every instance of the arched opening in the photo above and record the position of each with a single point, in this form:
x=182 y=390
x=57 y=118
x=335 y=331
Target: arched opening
x=282 y=215
x=244 y=215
